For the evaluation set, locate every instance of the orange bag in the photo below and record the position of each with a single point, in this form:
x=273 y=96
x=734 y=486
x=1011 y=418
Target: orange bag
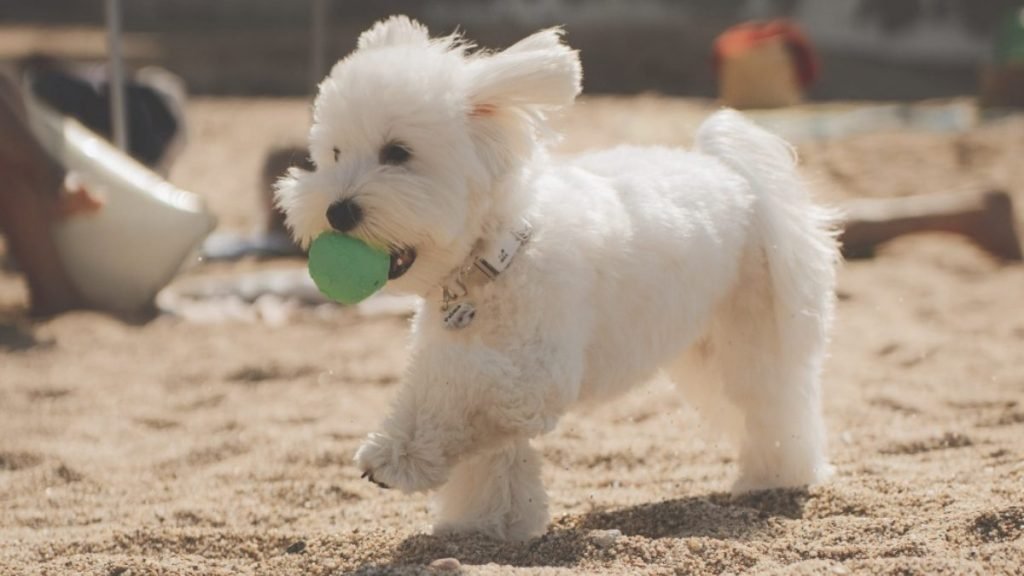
x=764 y=64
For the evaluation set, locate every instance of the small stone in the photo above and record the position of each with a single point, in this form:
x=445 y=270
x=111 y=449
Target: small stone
x=446 y=564
x=604 y=538
x=694 y=545
x=840 y=569
x=296 y=547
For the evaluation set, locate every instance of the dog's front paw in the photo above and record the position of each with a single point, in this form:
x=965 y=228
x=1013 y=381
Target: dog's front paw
x=407 y=465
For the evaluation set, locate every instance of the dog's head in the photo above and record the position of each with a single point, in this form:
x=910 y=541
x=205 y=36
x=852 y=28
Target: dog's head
x=412 y=139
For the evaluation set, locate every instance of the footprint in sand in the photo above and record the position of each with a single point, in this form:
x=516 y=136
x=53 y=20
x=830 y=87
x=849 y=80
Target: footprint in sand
x=157 y=423
x=14 y=461
x=43 y=394
x=945 y=442
x=1003 y=525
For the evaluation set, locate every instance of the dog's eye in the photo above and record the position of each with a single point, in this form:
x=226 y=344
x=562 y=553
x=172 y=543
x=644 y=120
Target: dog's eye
x=394 y=154
x=336 y=153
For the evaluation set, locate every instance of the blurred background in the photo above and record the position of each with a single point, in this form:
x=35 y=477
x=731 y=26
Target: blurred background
x=873 y=49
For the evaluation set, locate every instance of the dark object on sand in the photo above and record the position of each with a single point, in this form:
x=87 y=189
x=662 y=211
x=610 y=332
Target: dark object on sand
x=276 y=165
x=987 y=219
x=273 y=240
x=296 y=547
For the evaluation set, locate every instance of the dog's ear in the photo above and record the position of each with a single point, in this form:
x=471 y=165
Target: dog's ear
x=394 y=31
x=538 y=71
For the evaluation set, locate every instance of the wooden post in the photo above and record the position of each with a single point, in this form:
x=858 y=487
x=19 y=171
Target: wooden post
x=118 y=111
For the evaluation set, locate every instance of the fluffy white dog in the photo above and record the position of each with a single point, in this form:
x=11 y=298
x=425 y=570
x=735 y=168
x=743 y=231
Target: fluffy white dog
x=550 y=282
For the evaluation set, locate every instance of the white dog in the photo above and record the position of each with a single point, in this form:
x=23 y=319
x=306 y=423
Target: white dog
x=552 y=282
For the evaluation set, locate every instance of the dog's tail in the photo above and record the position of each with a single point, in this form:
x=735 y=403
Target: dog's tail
x=799 y=237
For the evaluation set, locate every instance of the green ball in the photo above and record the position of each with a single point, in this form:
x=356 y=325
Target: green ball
x=346 y=269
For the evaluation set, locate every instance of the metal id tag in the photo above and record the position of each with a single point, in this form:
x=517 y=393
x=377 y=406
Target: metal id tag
x=459 y=316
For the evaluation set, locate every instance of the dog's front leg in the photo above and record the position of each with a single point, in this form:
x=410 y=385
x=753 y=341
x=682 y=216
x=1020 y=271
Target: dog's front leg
x=457 y=402
x=414 y=447
x=497 y=492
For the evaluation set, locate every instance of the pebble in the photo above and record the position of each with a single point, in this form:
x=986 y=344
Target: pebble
x=446 y=564
x=296 y=547
x=604 y=538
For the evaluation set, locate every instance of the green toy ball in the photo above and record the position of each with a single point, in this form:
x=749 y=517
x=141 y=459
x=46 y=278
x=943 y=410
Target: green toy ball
x=346 y=269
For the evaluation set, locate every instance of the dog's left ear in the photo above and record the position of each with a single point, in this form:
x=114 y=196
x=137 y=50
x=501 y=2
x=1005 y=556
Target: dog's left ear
x=537 y=72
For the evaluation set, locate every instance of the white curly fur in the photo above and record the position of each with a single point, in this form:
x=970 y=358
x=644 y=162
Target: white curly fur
x=713 y=265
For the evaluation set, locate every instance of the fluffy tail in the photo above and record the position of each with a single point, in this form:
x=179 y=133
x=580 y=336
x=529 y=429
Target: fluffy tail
x=769 y=338
x=799 y=237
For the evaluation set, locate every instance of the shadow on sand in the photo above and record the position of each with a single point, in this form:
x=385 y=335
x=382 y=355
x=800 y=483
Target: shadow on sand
x=568 y=540
x=17 y=336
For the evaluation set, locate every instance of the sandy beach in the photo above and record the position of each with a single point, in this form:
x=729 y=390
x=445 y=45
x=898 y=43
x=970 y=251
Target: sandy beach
x=175 y=446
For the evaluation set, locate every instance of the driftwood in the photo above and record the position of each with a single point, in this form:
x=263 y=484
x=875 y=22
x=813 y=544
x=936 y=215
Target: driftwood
x=986 y=218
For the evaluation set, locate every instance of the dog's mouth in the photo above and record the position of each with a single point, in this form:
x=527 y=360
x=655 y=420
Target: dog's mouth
x=401 y=260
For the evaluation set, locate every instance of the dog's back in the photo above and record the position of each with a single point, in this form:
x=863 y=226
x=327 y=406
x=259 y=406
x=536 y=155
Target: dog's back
x=664 y=229
x=716 y=265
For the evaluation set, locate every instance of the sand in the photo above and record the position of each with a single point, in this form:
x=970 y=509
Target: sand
x=224 y=447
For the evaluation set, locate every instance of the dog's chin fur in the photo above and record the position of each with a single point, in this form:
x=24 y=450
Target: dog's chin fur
x=712 y=265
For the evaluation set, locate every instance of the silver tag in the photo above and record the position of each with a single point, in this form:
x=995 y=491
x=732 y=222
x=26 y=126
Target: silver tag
x=459 y=316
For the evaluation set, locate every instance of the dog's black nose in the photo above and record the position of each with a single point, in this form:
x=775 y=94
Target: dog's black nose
x=344 y=215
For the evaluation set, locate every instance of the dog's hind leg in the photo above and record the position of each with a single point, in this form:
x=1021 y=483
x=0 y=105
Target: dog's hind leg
x=498 y=493
x=697 y=375
x=769 y=371
x=769 y=335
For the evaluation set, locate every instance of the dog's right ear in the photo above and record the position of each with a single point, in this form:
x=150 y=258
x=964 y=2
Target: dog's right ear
x=539 y=72
x=394 y=31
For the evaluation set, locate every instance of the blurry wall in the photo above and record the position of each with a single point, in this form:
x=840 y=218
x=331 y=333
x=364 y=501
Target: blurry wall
x=871 y=49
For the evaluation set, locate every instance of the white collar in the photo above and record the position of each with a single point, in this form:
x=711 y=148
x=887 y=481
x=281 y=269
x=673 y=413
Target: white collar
x=483 y=266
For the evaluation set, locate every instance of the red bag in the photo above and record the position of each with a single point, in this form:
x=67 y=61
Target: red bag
x=744 y=37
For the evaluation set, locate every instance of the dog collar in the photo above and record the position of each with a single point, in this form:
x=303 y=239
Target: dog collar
x=493 y=258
